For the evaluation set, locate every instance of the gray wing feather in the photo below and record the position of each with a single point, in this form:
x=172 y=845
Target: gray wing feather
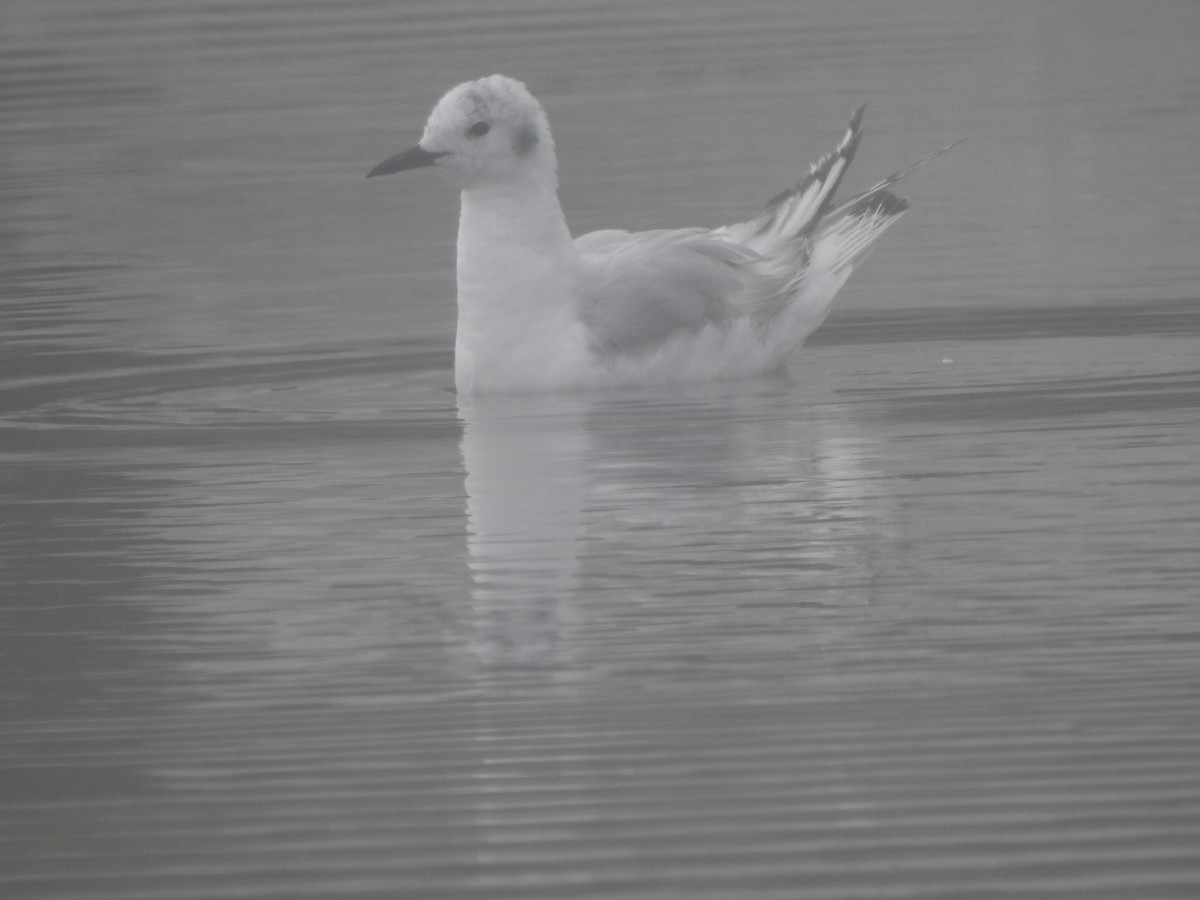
x=640 y=288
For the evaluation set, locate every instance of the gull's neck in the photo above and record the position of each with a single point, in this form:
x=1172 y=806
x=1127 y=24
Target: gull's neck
x=517 y=267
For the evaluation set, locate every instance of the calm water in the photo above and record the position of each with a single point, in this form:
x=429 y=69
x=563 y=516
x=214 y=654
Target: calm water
x=281 y=619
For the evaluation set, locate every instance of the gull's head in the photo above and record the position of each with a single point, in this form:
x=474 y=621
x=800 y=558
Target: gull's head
x=484 y=132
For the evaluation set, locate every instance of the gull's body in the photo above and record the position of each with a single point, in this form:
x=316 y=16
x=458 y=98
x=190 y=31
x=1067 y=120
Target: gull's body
x=538 y=310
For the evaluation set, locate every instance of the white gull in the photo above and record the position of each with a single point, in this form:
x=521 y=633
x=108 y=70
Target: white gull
x=539 y=310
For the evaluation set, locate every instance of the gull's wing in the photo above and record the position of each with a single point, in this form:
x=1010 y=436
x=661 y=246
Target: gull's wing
x=637 y=289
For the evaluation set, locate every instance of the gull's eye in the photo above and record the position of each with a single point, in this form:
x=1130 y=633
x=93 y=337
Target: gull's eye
x=479 y=129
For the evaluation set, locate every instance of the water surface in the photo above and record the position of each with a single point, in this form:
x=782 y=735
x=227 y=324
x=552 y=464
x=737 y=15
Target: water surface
x=281 y=617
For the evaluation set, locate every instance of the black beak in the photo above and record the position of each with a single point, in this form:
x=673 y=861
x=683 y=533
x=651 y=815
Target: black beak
x=409 y=159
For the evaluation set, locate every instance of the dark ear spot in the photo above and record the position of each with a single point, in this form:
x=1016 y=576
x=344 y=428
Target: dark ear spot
x=526 y=140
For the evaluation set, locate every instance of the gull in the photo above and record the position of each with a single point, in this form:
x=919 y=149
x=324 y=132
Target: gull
x=539 y=310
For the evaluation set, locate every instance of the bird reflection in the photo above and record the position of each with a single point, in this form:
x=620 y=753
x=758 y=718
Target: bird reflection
x=525 y=459
x=738 y=493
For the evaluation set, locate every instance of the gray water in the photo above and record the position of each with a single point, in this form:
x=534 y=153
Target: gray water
x=281 y=619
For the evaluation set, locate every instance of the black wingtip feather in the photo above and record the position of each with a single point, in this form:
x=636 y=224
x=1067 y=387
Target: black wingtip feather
x=856 y=117
x=820 y=170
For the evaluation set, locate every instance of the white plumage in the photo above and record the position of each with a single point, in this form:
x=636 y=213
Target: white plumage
x=538 y=310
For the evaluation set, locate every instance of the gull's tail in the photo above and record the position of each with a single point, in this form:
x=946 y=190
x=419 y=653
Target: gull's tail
x=798 y=221
x=793 y=214
x=783 y=235
x=842 y=237
x=807 y=247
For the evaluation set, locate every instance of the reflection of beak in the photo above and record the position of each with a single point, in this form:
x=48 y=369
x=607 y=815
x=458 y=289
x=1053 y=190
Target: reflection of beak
x=410 y=159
